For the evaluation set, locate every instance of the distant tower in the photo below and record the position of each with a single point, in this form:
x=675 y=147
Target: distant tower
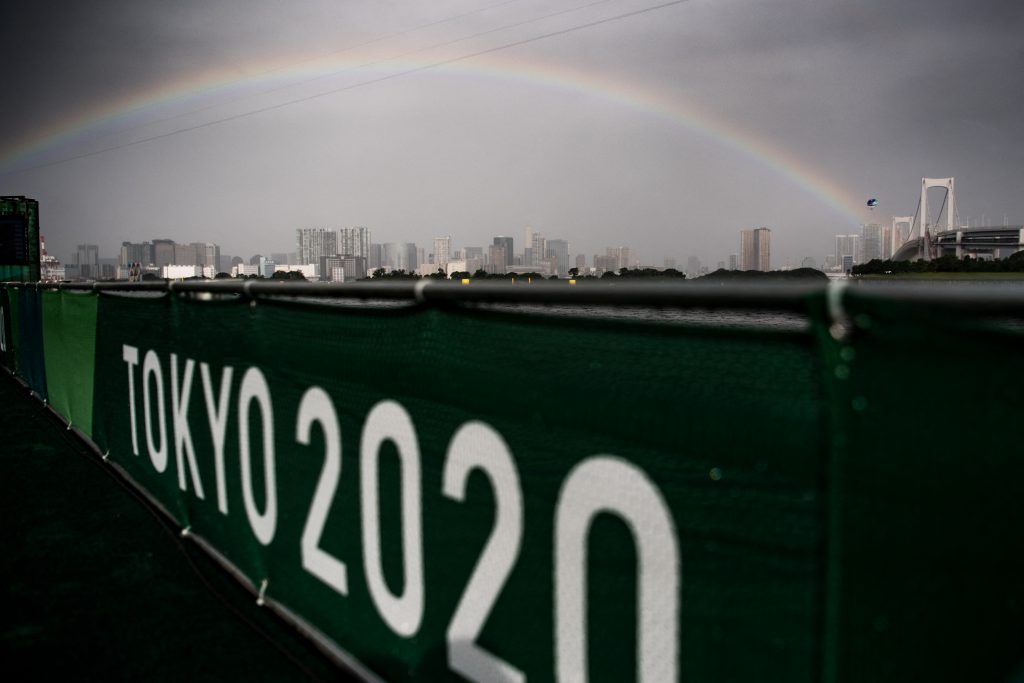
x=848 y=245
x=505 y=242
x=871 y=242
x=442 y=251
x=313 y=243
x=354 y=242
x=756 y=249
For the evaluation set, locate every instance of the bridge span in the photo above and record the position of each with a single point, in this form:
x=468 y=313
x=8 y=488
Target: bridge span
x=991 y=241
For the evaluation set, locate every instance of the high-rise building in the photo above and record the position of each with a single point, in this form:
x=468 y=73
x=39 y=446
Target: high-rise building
x=848 y=245
x=141 y=252
x=400 y=256
x=163 y=253
x=559 y=250
x=312 y=243
x=871 y=242
x=539 y=248
x=376 y=259
x=354 y=242
x=756 y=249
x=413 y=256
x=331 y=267
x=474 y=258
x=734 y=261
x=886 y=242
x=506 y=242
x=186 y=255
x=86 y=261
x=19 y=239
x=207 y=254
x=581 y=262
x=606 y=263
x=692 y=267
x=497 y=259
x=669 y=263
x=442 y=250
x=622 y=255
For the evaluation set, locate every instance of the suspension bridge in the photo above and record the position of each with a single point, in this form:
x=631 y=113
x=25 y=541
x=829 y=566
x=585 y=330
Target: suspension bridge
x=914 y=237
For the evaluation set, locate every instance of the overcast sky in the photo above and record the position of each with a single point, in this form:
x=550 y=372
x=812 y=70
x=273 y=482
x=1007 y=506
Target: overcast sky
x=667 y=130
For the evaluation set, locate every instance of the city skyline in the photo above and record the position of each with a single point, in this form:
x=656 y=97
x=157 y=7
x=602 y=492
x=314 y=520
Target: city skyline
x=668 y=127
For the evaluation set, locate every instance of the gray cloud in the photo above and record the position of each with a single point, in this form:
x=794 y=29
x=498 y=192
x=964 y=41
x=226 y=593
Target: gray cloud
x=872 y=95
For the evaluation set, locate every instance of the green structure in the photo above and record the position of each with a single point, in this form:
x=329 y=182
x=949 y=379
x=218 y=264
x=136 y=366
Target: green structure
x=19 y=239
x=696 y=502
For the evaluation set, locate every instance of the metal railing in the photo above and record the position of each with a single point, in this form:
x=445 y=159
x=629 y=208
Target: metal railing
x=795 y=297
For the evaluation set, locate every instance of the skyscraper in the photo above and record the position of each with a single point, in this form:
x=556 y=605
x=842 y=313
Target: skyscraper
x=848 y=245
x=559 y=250
x=87 y=260
x=207 y=254
x=506 y=242
x=312 y=243
x=692 y=267
x=497 y=260
x=376 y=259
x=354 y=241
x=163 y=253
x=442 y=250
x=141 y=252
x=871 y=242
x=538 y=249
x=755 y=249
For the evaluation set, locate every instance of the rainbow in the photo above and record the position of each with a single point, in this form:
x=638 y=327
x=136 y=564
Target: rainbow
x=151 y=103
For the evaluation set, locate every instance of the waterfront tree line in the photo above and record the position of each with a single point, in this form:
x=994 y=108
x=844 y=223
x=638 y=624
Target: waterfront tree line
x=944 y=264
x=382 y=274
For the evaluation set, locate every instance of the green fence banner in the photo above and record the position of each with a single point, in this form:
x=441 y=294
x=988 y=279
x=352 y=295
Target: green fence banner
x=28 y=327
x=927 y=495
x=7 y=335
x=462 y=493
x=491 y=494
x=69 y=343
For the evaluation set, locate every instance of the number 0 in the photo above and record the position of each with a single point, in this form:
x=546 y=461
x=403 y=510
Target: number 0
x=604 y=483
x=389 y=421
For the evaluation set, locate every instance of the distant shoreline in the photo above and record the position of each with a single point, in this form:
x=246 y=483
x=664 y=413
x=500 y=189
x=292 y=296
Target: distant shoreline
x=943 y=276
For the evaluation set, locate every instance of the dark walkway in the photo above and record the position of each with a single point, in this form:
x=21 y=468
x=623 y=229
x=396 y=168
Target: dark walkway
x=97 y=586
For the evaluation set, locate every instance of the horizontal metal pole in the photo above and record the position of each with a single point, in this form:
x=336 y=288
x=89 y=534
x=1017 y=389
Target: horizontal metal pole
x=661 y=294
x=992 y=300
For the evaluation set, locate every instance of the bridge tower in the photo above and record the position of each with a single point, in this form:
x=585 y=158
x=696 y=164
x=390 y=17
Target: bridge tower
x=927 y=183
